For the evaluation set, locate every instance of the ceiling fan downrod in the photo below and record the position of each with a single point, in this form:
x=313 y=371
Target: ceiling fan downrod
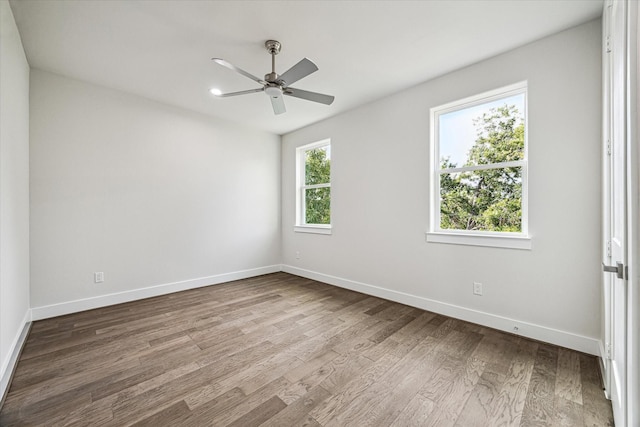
x=273 y=47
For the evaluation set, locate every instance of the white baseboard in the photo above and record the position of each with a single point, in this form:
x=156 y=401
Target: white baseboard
x=47 y=311
x=541 y=333
x=10 y=362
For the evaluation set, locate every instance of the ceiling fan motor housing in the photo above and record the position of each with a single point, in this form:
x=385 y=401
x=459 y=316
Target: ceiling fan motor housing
x=271 y=77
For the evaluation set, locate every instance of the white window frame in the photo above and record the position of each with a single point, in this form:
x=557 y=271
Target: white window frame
x=513 y=240
x=301 y=225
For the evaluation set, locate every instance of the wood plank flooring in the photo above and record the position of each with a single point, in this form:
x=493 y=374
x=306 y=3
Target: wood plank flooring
x=280 y=350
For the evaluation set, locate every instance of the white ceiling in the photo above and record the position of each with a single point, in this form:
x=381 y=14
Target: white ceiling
x=365 y=50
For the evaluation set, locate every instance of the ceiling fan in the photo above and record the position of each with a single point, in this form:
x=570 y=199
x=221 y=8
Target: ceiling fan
x=274 y=85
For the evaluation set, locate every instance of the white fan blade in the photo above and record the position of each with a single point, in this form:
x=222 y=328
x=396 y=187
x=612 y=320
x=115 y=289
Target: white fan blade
x=242 y=92
x=238 y=70
x=309 y=96
x=278 y=104
x=300 y=70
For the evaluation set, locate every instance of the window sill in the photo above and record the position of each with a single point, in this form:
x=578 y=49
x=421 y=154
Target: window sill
x=487 y=240
x=313 y=229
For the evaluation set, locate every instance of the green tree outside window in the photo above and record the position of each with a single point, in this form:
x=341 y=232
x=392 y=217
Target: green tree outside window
x=488 y=199
x=317 y=175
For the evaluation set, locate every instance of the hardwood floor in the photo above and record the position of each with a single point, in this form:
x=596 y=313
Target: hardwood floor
x=280 y=350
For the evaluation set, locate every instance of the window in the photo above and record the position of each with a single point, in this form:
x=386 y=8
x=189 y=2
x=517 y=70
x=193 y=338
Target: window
x=479 y=170
x=313 y=198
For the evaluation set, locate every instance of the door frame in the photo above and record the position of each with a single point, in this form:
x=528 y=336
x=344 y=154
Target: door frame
x=633 y=216
x=614 y=200
x=605 y=343
x=632 y=393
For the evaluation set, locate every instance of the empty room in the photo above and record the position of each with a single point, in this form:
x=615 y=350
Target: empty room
x=319 y=213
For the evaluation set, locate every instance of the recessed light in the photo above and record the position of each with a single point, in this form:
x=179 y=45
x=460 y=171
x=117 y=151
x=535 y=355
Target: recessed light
x=215 y=91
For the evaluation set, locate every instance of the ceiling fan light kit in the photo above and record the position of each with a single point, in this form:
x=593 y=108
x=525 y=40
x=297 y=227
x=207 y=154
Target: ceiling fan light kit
x=274 y=85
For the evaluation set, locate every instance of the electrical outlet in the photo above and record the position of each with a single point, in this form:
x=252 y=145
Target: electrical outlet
x=477 y=288
x=98 y=277
x=297 y=254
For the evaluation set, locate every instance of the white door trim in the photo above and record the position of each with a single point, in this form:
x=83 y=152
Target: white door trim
x=633 y=218
x=626 y=69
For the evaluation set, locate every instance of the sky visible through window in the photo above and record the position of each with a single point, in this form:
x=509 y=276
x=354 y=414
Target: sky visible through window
x=458 y=133
x=327 y=149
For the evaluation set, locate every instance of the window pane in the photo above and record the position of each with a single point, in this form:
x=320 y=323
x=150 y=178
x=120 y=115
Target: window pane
x=317 y=166
x=483 y=134
x=318 y=205
x=482 y=200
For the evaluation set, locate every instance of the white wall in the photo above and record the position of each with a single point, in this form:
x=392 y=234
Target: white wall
x=151 y=195
x=380 y=211
x=14 y=192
